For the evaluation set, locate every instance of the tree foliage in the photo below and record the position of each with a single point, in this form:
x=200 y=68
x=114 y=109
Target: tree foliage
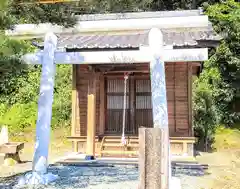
x=218 y=86
x=226 y=59
x=215 y=93
x=19 y=83
x=205 y=116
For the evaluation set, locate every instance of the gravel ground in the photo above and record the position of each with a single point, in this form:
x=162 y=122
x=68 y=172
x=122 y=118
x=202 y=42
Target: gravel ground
x=224 y=173
x=117 y=177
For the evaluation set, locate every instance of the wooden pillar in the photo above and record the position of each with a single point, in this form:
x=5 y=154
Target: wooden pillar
x=190 y=99
x=175 y=104
x=132 y=102
x=102 y=105
x=91 y=115
x=74 y=106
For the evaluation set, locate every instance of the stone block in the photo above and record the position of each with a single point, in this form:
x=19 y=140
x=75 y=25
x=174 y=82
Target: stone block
x=153 y=158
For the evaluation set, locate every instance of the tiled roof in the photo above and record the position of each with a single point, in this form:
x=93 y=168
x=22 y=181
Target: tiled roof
x=178 y=37
x=132 y=40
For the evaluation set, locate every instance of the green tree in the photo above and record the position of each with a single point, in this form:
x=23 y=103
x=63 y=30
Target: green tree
x=205 y=116
x=225 y=17
x=19 y=83
x=218 y=86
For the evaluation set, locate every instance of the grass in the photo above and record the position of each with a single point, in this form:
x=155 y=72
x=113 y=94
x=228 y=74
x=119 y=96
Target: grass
x=224 y=163
x=227 y=139
x=58 y=142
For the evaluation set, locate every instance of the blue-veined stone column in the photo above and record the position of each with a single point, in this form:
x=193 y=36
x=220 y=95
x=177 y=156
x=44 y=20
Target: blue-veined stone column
x=154 y=154
x=159 y=95
x=160 y=110
x=45 y=101
x=40 y=162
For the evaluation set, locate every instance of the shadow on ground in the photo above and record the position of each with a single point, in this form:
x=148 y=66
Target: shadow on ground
x=80 y=177
x=84 y=177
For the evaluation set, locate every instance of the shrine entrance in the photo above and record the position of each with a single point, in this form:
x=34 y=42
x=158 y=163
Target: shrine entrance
x=138 y=104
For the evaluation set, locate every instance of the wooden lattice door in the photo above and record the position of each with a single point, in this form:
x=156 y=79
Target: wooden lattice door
x=138 y=113
x=144 y=116
x=115 y=100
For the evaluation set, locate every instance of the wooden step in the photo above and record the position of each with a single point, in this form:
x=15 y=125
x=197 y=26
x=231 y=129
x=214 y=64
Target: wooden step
x=120 y=145
x=133 y=145
x=119 y=139
x=113 y=145
x=81 y=138
x=113 y=140
x=119 y=152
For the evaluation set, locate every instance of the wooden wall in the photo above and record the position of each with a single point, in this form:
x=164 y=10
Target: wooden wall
x=178 y=78
x=82 y=80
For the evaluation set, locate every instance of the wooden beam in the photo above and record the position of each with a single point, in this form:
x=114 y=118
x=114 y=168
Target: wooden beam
x=136 y=75
x=133 y=71
x=132 y=102
x=91 y=115
x=102 y=105
x=108 y=68
x=190 y=99
x=198 y=64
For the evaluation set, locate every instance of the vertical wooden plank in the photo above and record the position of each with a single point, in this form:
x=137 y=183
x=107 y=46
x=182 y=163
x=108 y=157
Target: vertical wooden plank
x=74 y=99
x=132 y=102
x=175 y=113
x=142 y=158
x=102 y=105
x=185 y=148
x=74 y=106
x=190 y=99
x=91 y=115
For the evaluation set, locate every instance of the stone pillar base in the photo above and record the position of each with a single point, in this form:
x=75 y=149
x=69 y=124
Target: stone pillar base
x=153 y=158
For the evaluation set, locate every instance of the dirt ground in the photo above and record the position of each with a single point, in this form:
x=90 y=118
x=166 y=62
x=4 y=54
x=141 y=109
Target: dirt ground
x=224 y=166
x=27 y=156
x=59 y=147
x=224 y=170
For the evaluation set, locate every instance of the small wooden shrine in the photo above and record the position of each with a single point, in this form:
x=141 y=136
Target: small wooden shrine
x=118 y=87
x=112 y=90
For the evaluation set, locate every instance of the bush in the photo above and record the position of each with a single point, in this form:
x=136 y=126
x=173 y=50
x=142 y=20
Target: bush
x=23 y=113
x=204 y=113
x=19 y=116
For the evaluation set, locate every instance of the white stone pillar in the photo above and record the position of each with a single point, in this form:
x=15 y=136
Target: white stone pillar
x=40 y=161
x=154 y=158
x=43 y=127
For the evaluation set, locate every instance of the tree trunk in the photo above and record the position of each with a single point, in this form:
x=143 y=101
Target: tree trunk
x=206 y=140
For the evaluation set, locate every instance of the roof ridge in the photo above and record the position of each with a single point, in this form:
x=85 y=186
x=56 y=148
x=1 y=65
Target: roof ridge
x=139 y=15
